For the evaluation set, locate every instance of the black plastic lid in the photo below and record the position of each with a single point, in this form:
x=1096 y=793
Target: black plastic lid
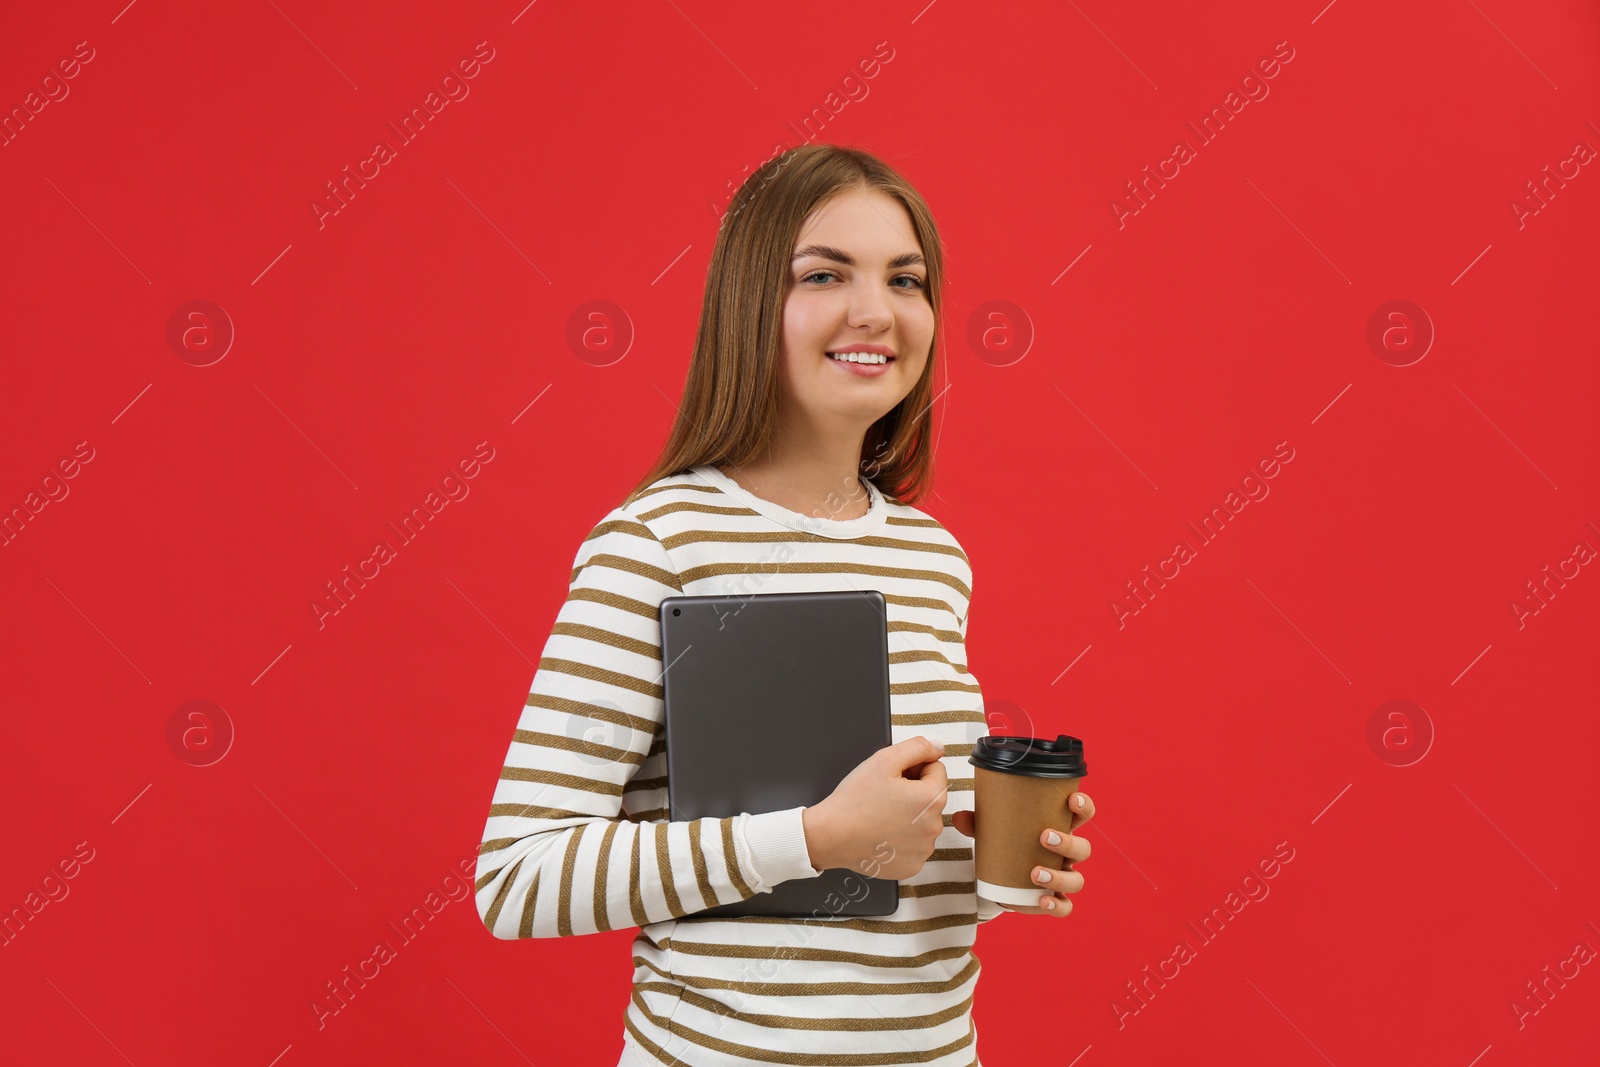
x=1036 y=757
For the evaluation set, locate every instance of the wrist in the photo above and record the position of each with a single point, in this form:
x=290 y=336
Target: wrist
x=813 y=819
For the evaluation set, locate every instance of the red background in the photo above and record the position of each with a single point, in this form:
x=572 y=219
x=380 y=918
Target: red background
x=590 y=161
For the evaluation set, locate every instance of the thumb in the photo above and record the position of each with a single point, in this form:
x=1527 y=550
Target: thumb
x=964 y=822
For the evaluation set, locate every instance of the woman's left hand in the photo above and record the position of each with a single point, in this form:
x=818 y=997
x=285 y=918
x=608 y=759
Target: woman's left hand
x=1074 y=849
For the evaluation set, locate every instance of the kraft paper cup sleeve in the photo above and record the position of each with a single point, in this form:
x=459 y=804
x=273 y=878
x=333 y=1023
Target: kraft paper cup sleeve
x=1011 y=814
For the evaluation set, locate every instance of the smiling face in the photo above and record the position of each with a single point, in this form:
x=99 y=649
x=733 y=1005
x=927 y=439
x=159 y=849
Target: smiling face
x=857 y=282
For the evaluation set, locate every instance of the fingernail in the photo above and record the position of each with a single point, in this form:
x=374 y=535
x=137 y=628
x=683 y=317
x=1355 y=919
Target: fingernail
x=1042 y=877
x=1053 y=837
x=1077 y=800
x=1049 y=905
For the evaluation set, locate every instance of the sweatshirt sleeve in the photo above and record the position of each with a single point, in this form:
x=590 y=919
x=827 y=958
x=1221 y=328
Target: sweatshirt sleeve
x=559 y=856
x=987 y=909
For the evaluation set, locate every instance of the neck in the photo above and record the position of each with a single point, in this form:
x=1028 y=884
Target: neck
x=817 y=479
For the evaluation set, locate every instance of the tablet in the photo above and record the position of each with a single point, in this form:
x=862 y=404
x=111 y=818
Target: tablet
x=771 y=700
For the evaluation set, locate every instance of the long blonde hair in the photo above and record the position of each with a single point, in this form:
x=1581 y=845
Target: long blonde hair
x=730 y=398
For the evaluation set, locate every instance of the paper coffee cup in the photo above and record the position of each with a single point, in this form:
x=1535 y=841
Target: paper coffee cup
x=1023 y=785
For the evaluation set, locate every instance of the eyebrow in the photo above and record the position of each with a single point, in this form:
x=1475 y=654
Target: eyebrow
x=906 y=259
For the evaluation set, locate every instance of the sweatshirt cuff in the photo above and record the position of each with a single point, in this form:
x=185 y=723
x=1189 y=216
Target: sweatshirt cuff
x=988 y=909
x=776 y=843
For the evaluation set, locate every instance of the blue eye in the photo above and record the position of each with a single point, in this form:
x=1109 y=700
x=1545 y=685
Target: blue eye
x=916 y=282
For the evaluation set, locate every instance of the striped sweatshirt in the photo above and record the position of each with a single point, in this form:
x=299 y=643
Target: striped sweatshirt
x=579 y=840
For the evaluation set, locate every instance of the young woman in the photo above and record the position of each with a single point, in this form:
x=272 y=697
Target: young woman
x=799 y=449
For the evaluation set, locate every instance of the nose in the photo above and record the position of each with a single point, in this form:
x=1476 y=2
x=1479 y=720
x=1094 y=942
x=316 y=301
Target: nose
x=869 y=306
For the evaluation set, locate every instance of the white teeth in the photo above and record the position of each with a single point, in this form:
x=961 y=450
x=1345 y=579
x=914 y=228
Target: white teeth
x=859 y=357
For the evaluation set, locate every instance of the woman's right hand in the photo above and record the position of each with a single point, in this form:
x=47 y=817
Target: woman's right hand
x=878 y=821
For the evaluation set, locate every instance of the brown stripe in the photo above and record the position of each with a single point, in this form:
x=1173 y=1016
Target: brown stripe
x=668 y=876
x=627 y=525
x=607 y=637
x=730 y=856
x=702 y=873
x=758 y=1054
x=651 y=815
x=959 y=855
x=715 y=570
x=852 y=1024
x=933 y=717
x=788 y=536
x=697 y=507
x=925 y=602
x=602 y=878
x=565 y=781
x=891 y=961
x=569 y=865
x=635 y=901
x=589 y=711
x=500 y=897
x=614 y=600
x=525 y=927
x=693 y=487
x=952 y=636
x=629 y=565
x=608 y=753
x=590 y=673
x=533 y=811
x=819 y=989
x=935 y=686
x=937 y=889
x=864 y=925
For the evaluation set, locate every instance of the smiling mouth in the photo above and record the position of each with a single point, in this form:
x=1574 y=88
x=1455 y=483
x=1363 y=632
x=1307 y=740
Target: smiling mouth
x=869 y=360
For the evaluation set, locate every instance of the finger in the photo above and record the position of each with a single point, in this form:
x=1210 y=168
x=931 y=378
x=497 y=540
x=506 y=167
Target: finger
x=1062 y=881
x=933 y=771
x=1082 y=808
x=963 y=822
x=911 y=752
x=1074 y=848
x=1058 y=906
